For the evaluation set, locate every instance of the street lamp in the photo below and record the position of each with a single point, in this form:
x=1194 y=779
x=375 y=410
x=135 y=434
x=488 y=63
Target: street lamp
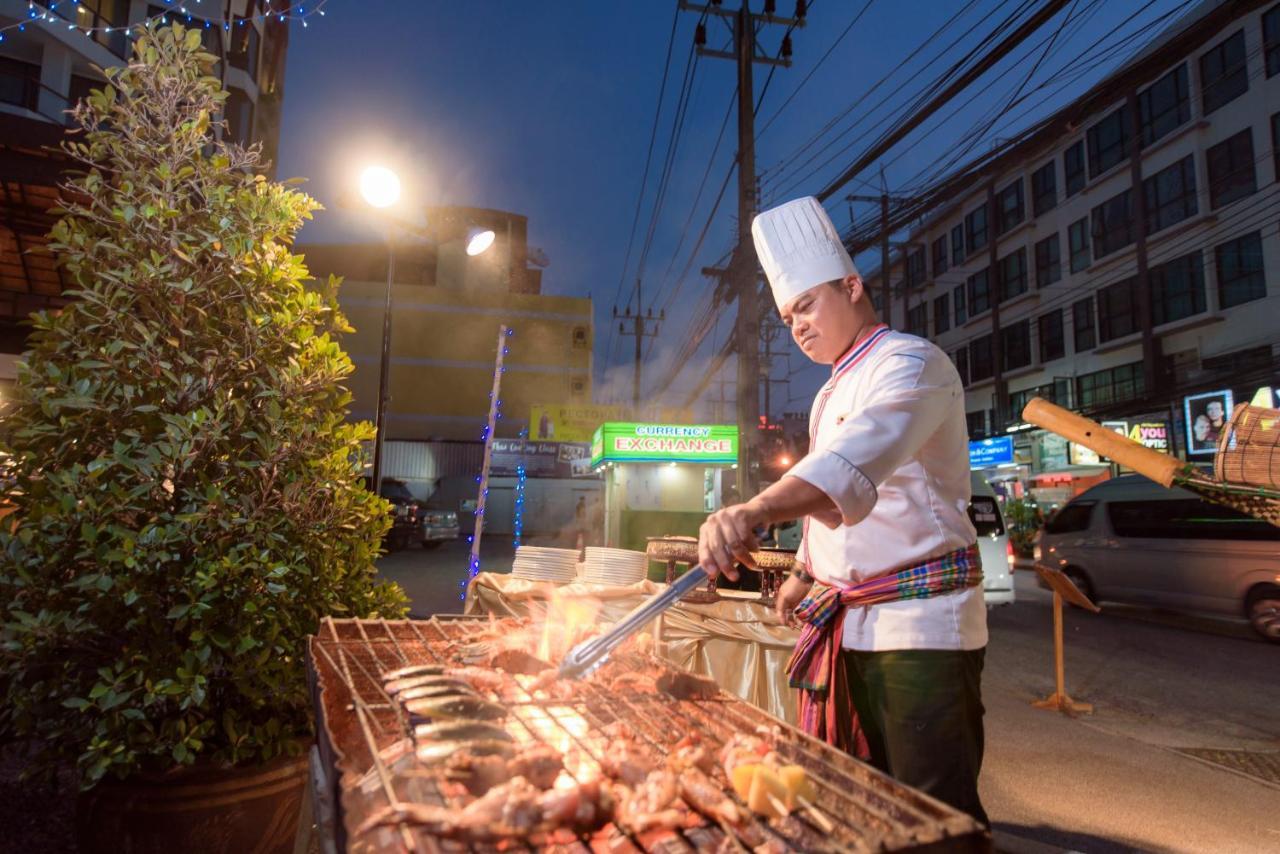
x=380 y=188
x=478 y=240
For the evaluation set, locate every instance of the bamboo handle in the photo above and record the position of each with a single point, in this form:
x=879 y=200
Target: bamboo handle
x=1161 y=468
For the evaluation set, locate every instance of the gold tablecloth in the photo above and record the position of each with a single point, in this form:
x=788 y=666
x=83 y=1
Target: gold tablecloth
x=737 y=641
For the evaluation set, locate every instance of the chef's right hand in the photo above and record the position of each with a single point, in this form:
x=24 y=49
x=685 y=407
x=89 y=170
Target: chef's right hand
x=790 y=595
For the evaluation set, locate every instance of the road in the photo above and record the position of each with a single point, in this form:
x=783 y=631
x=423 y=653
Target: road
x=1182 y=752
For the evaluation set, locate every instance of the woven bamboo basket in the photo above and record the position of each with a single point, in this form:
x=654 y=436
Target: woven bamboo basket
x=1249 y=450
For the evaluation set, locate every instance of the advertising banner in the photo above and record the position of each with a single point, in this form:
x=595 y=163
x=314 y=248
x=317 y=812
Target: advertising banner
x=578 y=423
x=540 y=459
x=710 y=444
x=991 y=452
x=1206 y=416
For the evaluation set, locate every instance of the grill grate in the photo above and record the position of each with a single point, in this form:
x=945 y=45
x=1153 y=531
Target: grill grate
x=360 y=730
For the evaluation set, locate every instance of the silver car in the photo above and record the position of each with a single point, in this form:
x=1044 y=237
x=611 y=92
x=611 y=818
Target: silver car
x=1131 y=540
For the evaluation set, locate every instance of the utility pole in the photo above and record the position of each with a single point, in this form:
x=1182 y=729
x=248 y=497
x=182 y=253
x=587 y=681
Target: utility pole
x=638 y=322
x=744 y=263
x=886 y=292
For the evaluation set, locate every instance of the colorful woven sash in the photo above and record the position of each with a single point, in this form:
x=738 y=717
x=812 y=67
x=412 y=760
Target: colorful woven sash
x=815 y=667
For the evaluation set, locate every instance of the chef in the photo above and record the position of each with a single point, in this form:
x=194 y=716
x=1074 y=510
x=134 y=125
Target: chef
x=888 y=589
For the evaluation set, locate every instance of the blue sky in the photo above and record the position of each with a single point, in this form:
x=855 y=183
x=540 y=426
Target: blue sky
x=546 y=109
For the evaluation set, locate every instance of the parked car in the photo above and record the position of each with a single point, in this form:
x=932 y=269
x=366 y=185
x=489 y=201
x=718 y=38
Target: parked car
x=993 y=542
x=406 y=512
x=1131 y=540
x=439 y=525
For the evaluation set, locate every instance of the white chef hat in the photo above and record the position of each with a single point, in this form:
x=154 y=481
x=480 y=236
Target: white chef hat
x=799 y=248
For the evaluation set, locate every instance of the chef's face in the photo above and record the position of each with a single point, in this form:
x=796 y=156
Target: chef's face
x=825 y=319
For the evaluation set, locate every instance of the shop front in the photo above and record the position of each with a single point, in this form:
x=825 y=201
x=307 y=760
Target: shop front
x=661 y=479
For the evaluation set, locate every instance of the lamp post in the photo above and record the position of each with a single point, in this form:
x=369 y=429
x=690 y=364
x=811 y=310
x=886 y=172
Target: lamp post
x=380 y=188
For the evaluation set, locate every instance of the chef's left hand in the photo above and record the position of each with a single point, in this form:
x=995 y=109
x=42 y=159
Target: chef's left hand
x=728 y=536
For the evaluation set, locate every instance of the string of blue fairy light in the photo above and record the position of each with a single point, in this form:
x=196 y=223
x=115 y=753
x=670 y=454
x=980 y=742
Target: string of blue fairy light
x=193 y=12
x=473 y=565
x=518 y=521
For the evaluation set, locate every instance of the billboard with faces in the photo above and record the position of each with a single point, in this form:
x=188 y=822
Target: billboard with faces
x=1206 y=416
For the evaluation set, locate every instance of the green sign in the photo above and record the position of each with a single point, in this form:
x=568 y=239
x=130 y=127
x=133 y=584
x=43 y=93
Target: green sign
x=625 y=442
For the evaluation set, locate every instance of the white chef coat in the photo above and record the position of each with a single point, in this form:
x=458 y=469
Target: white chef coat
x=889 y=445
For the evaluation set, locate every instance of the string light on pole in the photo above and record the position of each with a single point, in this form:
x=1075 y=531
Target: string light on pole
x=486 y=436
x=521 y=477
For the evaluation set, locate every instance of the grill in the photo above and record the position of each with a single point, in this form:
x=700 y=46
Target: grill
x=359 y=727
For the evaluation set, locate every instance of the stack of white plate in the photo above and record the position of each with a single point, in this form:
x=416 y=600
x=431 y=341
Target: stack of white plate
x=541 y=564
x=614 y=566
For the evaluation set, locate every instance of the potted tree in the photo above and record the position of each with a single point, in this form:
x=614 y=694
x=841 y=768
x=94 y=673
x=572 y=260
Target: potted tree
x=188 y=503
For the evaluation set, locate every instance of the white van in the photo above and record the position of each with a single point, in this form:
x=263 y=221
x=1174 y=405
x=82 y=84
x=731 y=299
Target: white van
x=1131 y=540
x=993 y=542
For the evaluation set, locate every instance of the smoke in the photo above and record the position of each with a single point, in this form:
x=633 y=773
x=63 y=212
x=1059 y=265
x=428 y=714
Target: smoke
x=616 y=382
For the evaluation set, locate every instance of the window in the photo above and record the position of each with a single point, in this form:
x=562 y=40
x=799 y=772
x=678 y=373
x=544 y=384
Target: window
x=1044 y=188
x=957 y=297
x=1231 y=173
x=976 y=422
x=975 y=229
x=980 y=366
x=1078 y=238
x=1271 y=39
x=957 y=245
x=1071 y=519
x=1009 y=208
x=913 y=271
x=1170 y=195
x=1112 y=225
x=1073 y=169
x=1048 y=261
x=939 y=256
x=1118 y=310
x=239 y=115
x=1113 y=385
x=1164 y=105
x=1275 y=142
x=1223 y=73
x=1177 y=289
x=918 y=320
x=1107 y=141
x=19 y=83
x=961 y=358
x=244 y=47
x=1052 y=342
x=1015 y=344
x=1240 y=277
x=1013 y=274
x=98 y=15
x=1082 y=325
x=1186 y=519
x=984 y=513
x=979 y=286
x=941 y=314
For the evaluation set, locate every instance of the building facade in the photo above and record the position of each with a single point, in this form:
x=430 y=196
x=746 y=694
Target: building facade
x=1124 y=261
x=46 y=68
x=446 y=311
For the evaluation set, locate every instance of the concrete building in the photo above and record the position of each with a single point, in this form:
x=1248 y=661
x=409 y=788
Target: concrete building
x=47 y=67
x=446 y=310
x=1124 y=260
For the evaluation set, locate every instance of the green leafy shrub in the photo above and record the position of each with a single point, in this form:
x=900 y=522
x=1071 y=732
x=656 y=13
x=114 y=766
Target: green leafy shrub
x=187 y=492
x=1023 y=521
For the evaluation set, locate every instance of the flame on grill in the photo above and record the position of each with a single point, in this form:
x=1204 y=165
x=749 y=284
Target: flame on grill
x=567 y=620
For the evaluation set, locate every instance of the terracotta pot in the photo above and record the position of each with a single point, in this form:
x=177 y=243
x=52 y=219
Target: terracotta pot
x=251 y=810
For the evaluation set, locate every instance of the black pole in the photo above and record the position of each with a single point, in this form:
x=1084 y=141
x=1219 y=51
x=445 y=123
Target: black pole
x=384 y=372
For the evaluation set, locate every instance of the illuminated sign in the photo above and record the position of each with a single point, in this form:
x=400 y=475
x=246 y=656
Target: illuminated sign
x=1151 y=434
x=622 y=442
x=991 y=452
x=1207 y=415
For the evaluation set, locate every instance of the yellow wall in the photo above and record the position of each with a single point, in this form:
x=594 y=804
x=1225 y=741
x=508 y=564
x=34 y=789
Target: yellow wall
x=443 y=344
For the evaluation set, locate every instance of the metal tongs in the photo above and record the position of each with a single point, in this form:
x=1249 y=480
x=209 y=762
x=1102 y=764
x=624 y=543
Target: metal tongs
x=591 y=653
